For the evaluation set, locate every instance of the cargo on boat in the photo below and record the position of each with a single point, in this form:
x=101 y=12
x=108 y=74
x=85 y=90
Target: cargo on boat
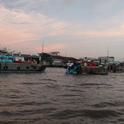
x=20 y=63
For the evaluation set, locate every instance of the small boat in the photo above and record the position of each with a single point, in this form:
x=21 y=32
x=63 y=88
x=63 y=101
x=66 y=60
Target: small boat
x=74 y=69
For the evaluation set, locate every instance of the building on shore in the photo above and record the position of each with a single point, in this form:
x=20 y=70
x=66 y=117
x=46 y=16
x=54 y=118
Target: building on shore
x=55 y=60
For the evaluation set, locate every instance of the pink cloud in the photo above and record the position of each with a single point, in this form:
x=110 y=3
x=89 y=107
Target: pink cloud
x=50 y=48
x=9 y=35
x=100 y=34
x=16 y=26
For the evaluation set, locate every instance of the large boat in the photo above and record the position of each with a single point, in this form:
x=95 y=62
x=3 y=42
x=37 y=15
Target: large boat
x=18 y=64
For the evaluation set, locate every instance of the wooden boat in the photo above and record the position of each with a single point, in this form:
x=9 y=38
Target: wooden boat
x=90 y=68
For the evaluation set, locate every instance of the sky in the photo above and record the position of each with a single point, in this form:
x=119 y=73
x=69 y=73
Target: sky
x=74 y=27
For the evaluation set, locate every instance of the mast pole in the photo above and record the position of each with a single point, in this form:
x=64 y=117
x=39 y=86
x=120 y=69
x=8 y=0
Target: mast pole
x=42 y=46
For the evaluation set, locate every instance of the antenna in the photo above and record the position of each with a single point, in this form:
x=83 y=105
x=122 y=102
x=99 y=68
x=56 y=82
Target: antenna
x=108 y=53
x=42 y=46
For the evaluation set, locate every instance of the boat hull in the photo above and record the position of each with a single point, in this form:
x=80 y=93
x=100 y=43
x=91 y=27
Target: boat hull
x=21 y=68
x=95 y=70
x=87 y=70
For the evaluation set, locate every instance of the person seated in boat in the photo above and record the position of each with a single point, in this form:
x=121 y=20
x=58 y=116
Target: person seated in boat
x=34 y=61
x=85 y=64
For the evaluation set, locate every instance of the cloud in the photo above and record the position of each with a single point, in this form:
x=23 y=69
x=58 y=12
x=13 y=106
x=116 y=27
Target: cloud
x=16 y=25
x=22 y=22
x=102 y=34
x=51 y=47
x=69 y=2
x=16 y=4
x=113 y=28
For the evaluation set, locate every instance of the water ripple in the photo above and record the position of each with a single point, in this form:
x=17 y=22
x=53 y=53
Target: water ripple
x=56 y=98
x=95 y=114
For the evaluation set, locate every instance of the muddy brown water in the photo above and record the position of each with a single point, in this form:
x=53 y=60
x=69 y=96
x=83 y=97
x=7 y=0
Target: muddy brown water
x=56 y=98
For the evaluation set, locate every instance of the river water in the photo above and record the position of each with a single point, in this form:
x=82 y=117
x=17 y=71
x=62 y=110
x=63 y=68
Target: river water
x=55 y=98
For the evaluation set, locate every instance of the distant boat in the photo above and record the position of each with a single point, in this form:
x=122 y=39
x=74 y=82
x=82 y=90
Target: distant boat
x=87 y=68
